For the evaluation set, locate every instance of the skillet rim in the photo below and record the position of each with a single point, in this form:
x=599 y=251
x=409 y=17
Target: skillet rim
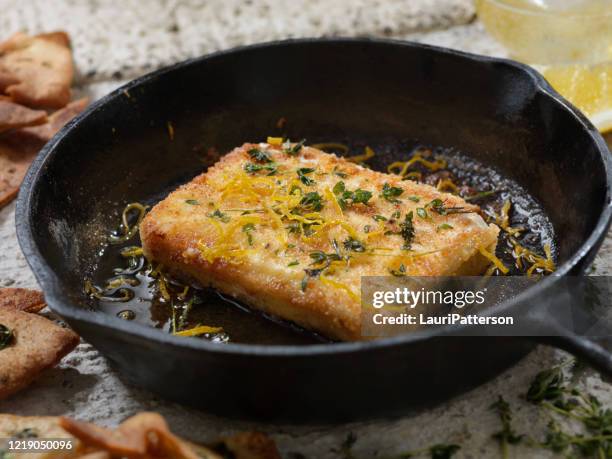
x=57 y=301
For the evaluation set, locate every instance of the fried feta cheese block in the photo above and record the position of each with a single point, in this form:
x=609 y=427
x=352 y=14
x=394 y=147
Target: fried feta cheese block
x=290 y=231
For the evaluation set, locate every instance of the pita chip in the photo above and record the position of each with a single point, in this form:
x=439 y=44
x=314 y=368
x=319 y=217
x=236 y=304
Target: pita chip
x=37 y=70
x=43 y=427
x=57 y=120
x=13 y=116
x=22 y=299
x=19 y=148
x=33 y=345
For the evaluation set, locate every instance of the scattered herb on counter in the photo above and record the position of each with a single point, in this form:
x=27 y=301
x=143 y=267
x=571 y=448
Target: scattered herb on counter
x=6 y=337
x=547 y=385
x=302 y=172
x=549 y=390
x=414 y=198
x=346 y=448
x=442 y=451
x=192 y=202
x=259 y=155
x=422 y=213
x=437 y=451
x=391 y=193
x=506 y=436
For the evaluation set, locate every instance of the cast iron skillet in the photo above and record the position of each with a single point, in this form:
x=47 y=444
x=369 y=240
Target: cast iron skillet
x=500 y=112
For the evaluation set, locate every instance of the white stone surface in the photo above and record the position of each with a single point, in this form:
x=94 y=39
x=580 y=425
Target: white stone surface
x=142 y=35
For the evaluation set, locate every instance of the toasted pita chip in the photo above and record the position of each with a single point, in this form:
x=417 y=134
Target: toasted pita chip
x=42 y=427
x=37 y=344
x=22 y=299
x=13 y=116
x=37 y=70
x=96 y=455
x=16 y=154
x=109 y=440
x=57 y=120
x=251 y=445
x=142 y=435
x=19 y=148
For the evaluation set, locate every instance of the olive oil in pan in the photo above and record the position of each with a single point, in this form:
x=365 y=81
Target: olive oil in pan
x=174 y=307
x=128 y=286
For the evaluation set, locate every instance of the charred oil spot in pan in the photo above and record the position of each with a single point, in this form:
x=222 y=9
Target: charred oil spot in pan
x=134 y=290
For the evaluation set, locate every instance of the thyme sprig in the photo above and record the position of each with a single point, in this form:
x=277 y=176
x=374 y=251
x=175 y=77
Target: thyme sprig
x=506 y=436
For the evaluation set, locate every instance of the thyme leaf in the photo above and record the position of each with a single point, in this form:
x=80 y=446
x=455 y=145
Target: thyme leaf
x=438 y=206
x=354 y=245
x=407 y=231
x=506 y=436
x=295 y=149
x=219 y=215
x=259 y=155
x=390 y=193
x=343 y=196
x=312 y=201
x=248 y=229
x=547 y=385
x=302 y=175
x=251 y=168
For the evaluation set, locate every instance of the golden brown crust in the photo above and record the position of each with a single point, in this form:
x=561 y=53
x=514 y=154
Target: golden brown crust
x=190 y=242
x=38 y=344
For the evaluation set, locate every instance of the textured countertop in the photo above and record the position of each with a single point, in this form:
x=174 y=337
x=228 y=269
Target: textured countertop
x=117 y=40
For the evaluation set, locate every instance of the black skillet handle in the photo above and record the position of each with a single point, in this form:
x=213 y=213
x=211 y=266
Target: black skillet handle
x=569 y=320
x=596 y=352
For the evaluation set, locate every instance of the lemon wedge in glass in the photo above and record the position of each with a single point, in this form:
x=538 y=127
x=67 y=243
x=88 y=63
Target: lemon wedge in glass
x=588 y=87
